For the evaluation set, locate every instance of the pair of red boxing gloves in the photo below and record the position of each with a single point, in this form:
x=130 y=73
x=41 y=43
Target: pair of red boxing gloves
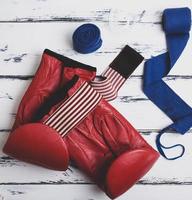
x=65 y=116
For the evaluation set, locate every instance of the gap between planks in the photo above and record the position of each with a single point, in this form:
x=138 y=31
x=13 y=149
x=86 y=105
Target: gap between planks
x=30 y=77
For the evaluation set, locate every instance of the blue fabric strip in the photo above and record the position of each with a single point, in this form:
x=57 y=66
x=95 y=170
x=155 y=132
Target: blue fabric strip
x=176 y=24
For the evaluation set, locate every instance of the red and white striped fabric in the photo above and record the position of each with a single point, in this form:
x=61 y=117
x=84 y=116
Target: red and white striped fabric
x=74 y=109
x=84 y=100
x=110 y=85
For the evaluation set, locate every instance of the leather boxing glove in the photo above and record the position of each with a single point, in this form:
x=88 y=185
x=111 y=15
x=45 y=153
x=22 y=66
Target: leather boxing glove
x=108 y=149
x=49 y=86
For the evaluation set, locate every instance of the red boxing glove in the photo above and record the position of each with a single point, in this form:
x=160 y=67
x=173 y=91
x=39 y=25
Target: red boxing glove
x=48 y=87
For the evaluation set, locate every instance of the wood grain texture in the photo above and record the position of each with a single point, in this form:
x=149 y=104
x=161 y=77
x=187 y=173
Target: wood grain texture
x=131 y=102
x=27 y=28
x=98 y=11
x=17 y=59
x=91 y=192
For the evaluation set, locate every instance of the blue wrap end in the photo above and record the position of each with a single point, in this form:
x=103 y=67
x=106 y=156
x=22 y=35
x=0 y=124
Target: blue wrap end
x=87 y=38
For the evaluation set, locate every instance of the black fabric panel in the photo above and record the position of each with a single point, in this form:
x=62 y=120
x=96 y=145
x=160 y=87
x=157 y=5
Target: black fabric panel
x=54 y=99
x=127 y=61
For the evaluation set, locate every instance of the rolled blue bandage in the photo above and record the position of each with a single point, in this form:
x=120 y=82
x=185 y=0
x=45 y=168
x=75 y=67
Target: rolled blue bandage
x=87 y=38
x=176 y=24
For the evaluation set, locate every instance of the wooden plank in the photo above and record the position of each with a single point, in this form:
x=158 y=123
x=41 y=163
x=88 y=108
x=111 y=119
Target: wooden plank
x=91 y=192
x=131 y=102
x=19 y=57
x=163 y=172
x=99 y=11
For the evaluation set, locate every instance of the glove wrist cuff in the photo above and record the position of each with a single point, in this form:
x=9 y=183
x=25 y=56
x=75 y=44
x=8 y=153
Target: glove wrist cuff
x=117 y=73
x=126 y=62
x=74 y=109
x=68 y=62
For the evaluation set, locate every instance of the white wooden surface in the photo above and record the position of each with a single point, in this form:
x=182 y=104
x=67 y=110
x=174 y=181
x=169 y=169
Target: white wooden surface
x=28 y=27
